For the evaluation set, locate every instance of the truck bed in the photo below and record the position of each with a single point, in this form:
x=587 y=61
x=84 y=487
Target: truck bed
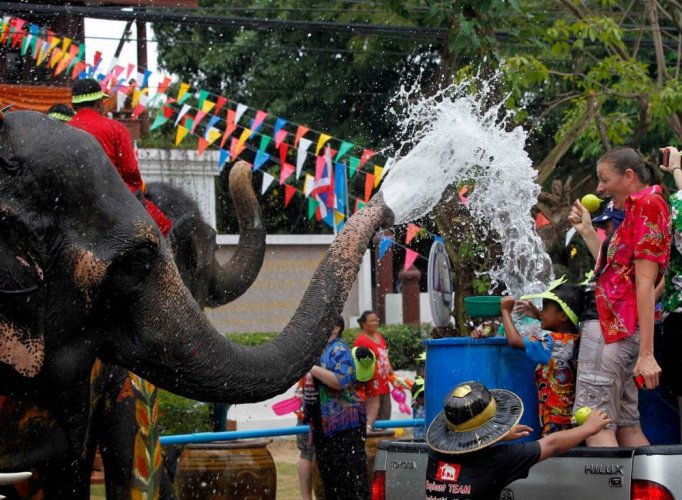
x=579 y=474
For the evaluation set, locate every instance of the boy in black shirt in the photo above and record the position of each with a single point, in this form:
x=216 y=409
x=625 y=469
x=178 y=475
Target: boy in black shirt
x=462 y=462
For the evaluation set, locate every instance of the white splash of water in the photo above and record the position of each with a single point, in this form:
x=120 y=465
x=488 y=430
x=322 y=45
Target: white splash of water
x=453 y=137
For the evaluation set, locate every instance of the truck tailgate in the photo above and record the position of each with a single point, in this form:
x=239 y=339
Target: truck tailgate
x=603 y=473
x=405 y=465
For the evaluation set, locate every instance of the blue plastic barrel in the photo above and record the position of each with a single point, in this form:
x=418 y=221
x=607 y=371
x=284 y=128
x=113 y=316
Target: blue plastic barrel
x=491 y=361
x=658 y=411
x=659 y=415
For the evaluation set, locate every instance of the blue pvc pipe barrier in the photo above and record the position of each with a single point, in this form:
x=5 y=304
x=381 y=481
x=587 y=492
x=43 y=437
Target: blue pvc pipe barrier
x=205 y=437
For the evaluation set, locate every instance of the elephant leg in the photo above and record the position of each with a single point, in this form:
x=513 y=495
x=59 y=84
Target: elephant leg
x=129 y=438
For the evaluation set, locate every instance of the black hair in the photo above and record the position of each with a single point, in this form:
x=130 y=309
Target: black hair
x=341 y=324
x=62 y=109
x=363 y=317
x=572 y=295
x=622 y=158
x=83 y=87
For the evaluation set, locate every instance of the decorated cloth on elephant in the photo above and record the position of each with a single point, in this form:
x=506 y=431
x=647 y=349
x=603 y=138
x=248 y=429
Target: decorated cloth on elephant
x=118 y=145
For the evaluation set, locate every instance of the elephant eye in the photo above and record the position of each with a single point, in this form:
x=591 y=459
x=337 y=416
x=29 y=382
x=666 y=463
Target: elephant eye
x=131 y=269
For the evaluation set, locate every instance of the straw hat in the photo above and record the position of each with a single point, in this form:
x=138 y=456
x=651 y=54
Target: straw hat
x=473 y=417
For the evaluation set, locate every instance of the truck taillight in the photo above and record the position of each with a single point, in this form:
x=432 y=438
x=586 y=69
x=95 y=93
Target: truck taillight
x=649 y=490
x=379 y=485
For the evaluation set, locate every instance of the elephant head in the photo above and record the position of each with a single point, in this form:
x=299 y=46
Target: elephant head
x=193 y=241
x=85 y=273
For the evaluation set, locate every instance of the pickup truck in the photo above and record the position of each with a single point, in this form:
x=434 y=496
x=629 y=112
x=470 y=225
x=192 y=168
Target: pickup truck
x=652 y=472
x=648 y=473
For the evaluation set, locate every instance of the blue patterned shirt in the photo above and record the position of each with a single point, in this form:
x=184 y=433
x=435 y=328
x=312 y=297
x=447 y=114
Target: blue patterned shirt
x=344 y=409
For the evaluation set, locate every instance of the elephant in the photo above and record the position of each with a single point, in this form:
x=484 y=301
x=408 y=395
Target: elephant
x=85 y=275
x=193 y=245
x=115 y=420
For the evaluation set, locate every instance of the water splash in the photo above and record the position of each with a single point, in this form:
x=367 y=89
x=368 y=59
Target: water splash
x=455 y=136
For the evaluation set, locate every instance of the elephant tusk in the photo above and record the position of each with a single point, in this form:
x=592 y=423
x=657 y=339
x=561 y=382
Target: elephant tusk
x=13 y=477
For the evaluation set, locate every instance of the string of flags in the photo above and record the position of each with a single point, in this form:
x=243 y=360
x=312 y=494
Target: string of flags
x=328 y=163
x=411 y=256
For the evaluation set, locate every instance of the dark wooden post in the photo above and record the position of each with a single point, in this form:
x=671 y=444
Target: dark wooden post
x=409 y=280
x=384 y=274
x=142 y=65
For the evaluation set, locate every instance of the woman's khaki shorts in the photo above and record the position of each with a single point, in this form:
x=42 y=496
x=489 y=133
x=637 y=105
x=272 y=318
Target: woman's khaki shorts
x=605 y=375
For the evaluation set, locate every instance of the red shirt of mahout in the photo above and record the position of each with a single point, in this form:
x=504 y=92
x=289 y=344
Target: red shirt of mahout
x=116 y=142
x=118 y=145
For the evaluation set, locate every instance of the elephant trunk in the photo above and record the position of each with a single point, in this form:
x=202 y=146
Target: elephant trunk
x=231 y=280
x=175 y=347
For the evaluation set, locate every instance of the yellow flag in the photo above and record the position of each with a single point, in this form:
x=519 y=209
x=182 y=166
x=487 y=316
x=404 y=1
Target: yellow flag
x=180 y=134
x=213 y=135
x=246 y=133
x=65 y=44
x=207 y=106
x=378 y=173
x=338 y=217
x=184 y=87
x=321 y=142
x=308 y=185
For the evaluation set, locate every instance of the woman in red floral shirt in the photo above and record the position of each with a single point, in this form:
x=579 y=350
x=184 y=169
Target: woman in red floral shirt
x=620 y=344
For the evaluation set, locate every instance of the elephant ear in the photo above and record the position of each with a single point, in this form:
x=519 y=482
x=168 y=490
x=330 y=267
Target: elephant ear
x=22 y=345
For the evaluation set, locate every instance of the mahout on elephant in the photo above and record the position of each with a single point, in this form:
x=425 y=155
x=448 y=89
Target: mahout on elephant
x=85 y=274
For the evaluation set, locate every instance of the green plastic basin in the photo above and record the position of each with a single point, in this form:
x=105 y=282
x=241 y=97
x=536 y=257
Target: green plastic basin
x=483 y=306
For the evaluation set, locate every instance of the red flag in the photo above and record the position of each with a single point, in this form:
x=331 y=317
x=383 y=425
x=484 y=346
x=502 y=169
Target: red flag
x=230 y=126
x=288 y=193
x=220 y=102
x=203 y=144
x=541 y=220
x=283 y=150
x=168 y=112
x=410 y=257
x=139 y=109
x=163 y=86
x=366 y=155
x=369 y=186
x=300 y=133
x=98 y=59
x=412 y=230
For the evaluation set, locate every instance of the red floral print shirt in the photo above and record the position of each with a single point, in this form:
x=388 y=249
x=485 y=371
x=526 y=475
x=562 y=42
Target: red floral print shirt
x=644 y=234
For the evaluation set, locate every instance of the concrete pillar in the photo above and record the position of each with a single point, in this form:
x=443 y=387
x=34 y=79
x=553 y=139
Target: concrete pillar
x=409 y=281
x=384 y=274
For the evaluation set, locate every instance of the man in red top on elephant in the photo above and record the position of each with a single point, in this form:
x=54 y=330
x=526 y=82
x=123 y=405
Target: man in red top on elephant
x=115 y=140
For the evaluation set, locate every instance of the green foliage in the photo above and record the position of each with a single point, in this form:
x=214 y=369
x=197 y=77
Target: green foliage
x=178 y=415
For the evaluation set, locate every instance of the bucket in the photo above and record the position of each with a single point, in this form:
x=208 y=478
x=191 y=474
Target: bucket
x=240 y=470
x=491 y=361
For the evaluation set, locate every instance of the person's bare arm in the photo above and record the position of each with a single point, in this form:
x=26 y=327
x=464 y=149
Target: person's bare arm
x=674 y=166
x=646 y=273
x=519 y=431
x=327 y=377
x=581 y=220
x=561 y=441
x=514 y=338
